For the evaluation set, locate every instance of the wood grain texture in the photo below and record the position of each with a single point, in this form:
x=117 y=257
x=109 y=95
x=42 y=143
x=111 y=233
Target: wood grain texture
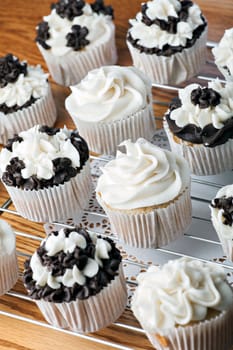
x=18 y=20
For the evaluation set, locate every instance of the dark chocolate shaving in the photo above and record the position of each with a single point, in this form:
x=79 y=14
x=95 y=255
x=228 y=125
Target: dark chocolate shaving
x=99 y=7
x=49 y=130
x=7 y=110
x=12 y=176
x=10 y=69
x=10 y=142
x=43 y=34
x=69 y=8
x=77 y=38
x=225 y=203
x=205 y=97
x=61 y=261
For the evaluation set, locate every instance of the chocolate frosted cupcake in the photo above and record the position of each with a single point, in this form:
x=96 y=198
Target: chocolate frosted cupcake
x=77 y=280
x=75 y=38
x=167 y=40
x=47 y=174
x=110 y=105
x=223 y=54
x=199 y=126
x=186 y=304
x=222 y=218
x=25 y=97
x=8 y=258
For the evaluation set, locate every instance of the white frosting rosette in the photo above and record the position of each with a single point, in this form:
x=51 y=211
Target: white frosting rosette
x=146 y=194
x=67 y=66
x=8 y=258
x=182 y=302
x=112 y=104
x=43 y=111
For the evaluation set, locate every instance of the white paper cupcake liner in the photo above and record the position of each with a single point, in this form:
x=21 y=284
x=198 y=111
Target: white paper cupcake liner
x=42 y=112
x=227 y=243
x=70 y=69
x=174 y=69
x=226 y=75
x=91 y=314
x=155 y=228
x=213 y=334
x=57 y=203
x=203 y=160
x=8 y=271
x=104 y=138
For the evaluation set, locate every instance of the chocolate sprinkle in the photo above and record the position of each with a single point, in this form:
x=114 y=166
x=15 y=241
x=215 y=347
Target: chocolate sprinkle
x=77 y=38
x=225 y=203
x=99 y=7
x=43 y=34
x=205 y=97
x=10 y=69
x=61 y=261
x=69 y=8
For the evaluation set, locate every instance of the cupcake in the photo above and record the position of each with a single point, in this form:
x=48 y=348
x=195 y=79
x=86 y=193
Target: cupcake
x=110 y=105
x=8 y=258
x=223 y=54
x=75 y=38
x=167 y=40
x=77 y=280
x=145 y=193
x=25 y=97
x=199 y=126
x=222 y=218
x=186 y=304
x=46 y=172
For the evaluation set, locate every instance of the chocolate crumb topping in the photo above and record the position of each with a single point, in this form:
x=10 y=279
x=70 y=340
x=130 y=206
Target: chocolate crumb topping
x=61 y=261
x=7 y=110
x=99 y=7
x=10 y=69
x=225 y=203
x=77 y=38
x=43 y=34
x=205 y=97
x=49 y=130
x=69 y=8
x=10 y=142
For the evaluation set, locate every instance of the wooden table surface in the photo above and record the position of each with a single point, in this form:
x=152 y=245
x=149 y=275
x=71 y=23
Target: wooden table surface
x=18 y=20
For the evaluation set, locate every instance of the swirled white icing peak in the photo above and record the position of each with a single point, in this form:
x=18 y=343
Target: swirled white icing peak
x=223 y=52
x=179 y=292
x=7 y=238
x=145 y=175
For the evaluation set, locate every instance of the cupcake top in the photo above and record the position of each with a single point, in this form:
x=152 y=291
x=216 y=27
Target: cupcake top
x=144 y=176
x=222 y=211
x=7 y=238
x=109 y=93
x=203 y=114
x=20 y=84
x=71 y=264
x=42 y=157
x=165 y=27
x=179 y=292
x=223 y=53
x=74 y=25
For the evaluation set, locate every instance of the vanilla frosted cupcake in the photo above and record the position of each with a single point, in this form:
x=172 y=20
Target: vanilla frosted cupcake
x=75 y=38
x=199 y=126
x=222 y=218
x=25 y=97
x=77 y=280
x=167 y=40
x=110 y=105
x=186 y=304
x=47 y=174
x=223 y=54
x=8 y=258
x=145 y=193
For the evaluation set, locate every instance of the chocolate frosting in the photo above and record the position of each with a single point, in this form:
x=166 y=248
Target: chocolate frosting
x=10 y=69
x=99 y=7
x=69 y=9
x=205 y=97
x=43 y=34
x=77 y=38
x=61 y=261
x=62 y=167
x=225 y=203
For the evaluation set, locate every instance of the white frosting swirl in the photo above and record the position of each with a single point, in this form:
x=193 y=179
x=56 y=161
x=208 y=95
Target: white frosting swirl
x=144 y=176
x=58 y=243
x=180 y=292
x=7 y=238
x=33 y=84
x=223 y=53
x=153 y=36
x=189 y=113
x=109 y=93
x=98 y=25
x=224 y=231
x=38 y=149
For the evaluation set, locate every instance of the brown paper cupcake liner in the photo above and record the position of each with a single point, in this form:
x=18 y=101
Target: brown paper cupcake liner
x=104 y=138
x=174 y=69
x=203 y=160
x=57 y=203
x=42 y=112
x=91 y=314
x=70 y=69
x=155 y=228
x=8 y=271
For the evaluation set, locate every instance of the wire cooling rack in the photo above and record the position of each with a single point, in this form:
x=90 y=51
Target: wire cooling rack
x=199 y=242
